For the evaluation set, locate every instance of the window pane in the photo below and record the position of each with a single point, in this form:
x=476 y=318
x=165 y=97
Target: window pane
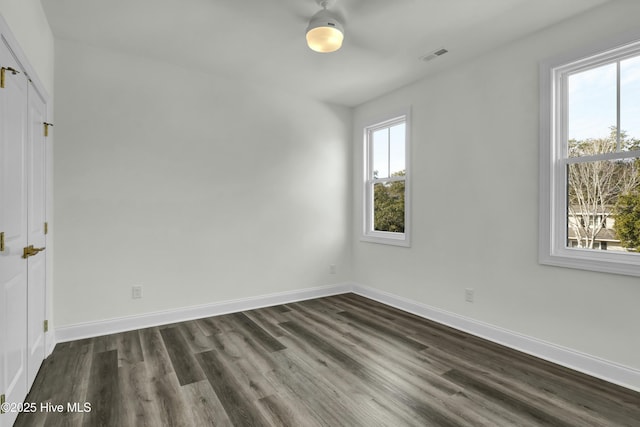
x=592 y=108
x=630 y=102
x=604 y=205
x=388 y=206
x=396 y=149
x=381 y=153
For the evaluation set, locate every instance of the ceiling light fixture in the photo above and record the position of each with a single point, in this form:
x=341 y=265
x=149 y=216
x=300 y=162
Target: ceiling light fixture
x=325 y=32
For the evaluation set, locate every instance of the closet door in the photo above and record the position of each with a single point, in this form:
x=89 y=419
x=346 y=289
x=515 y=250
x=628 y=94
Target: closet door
x=13 y=223
x=36 y=265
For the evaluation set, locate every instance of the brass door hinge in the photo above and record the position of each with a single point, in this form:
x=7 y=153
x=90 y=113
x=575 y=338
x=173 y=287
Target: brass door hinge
x=2 y=71
x=46 y=326
x=2 y=242
x=46 y=228
x=2 y=400
x=46 y=128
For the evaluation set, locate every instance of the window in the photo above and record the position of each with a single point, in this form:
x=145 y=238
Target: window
x=590 y=160
x=386 y=204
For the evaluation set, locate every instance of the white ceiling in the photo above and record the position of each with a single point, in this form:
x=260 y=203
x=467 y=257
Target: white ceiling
x=262 y=40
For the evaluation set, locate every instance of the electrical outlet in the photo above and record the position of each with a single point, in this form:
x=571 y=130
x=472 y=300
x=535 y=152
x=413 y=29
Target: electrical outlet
x=136 y=291
x=332 y=269
x=468 y=294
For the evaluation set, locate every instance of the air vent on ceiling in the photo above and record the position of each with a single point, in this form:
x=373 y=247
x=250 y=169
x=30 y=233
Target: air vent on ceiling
x=434 y=54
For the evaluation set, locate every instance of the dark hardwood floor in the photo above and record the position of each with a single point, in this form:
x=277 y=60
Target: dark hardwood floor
x=337 y=361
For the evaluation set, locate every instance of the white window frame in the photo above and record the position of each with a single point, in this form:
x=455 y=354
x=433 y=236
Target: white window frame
x=368 y=233
x=553 y=249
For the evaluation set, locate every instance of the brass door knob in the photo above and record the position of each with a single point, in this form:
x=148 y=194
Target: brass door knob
x=31 y=251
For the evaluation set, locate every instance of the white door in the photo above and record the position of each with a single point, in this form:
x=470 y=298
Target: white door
x=13 y=223
x=36 y=265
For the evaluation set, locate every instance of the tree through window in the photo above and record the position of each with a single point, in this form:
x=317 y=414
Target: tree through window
x=386 y=182
x=590 y=161
x=599 y=170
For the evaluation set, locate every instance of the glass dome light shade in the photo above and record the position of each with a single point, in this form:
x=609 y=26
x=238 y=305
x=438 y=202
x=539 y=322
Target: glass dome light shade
x=324 y=33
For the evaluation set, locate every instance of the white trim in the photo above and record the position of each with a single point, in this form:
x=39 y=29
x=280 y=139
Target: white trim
x=27 y=68
x=590 y=365
x=585 y=363
x=619 y=155
x=368 y=234
x=552 y=248
x=21 y=57
x=128 y=323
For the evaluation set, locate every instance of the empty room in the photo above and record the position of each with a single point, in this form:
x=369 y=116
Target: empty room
x=319 y=213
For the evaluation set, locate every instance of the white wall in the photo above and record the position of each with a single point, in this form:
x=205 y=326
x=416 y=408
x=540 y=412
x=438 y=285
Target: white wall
x=177 y=181
x=201 y=189
x=475 y=202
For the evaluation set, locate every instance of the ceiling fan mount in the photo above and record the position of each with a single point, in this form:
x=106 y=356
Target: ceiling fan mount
x=325 y=4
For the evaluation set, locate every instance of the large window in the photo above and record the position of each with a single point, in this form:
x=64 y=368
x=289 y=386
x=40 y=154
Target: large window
x=590 y=161
x=386 y=202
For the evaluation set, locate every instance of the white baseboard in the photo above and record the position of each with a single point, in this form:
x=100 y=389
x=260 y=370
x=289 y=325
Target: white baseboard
x=128 y=323
x=50 y=345
x=590 y=365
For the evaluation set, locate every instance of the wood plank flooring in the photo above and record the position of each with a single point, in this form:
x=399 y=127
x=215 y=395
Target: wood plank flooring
x=337 y=361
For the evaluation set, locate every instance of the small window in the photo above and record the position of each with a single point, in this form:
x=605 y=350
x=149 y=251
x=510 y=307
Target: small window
x=386 y=182
x=590 y=164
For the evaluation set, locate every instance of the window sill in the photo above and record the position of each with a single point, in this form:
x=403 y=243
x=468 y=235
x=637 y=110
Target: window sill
x=587 y=260
x=392 y=239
